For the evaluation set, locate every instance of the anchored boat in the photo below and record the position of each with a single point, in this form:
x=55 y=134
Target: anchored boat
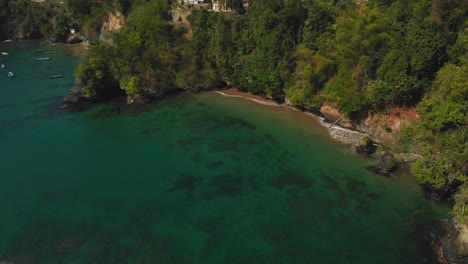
x=55 y=76
x=10 y=74
x=43 y=59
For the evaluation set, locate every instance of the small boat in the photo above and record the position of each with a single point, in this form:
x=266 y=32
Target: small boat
x=2 y=66
x=8 y=40
x=49 y=52
x=43 y=59
x=4 y=53
x=10 y=74
x=56 y=76
x=40 y=51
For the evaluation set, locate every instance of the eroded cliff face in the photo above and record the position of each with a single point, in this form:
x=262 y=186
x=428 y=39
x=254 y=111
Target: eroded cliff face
x=381 y=127
x=112 y=22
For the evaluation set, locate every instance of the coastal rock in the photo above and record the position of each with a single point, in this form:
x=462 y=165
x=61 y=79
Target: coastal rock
x=145 y=95
x=454 y=243
x=407 y=157
x=287 y=101
x=443 y=193
x=333 y=115
x=112 y=22
x=76 y=38
x=386 y=165
x=75 y=96
x=35 y=34
x=210 y=85
x=366 y=146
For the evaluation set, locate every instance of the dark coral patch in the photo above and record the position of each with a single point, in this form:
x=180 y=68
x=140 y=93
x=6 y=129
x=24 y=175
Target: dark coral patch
x=184 y=182
x=330 y=182
x=353 y=185
x=214 y=165
x=227 y=184
x=291 y=179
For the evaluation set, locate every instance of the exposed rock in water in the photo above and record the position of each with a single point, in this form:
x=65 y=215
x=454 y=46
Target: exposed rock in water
x=76 y=96
x=452 y=246
x=443 y=193
x=386 y=165
x=366 y=146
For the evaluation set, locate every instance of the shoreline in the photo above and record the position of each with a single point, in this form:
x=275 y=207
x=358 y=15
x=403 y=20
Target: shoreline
x=335 y=131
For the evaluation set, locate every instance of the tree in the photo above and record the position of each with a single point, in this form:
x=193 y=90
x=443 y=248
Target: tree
x=236 y=5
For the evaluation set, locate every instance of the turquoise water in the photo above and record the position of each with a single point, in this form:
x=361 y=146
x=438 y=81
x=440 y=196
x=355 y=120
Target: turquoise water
x=191 y=179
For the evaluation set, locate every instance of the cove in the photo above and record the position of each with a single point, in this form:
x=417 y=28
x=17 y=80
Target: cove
x=189 y=179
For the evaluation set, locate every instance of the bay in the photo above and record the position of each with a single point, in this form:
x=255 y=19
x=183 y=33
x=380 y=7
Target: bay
x=189 y=179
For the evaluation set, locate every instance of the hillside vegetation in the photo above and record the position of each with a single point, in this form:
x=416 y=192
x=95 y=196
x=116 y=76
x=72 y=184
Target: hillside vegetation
x=53 y=19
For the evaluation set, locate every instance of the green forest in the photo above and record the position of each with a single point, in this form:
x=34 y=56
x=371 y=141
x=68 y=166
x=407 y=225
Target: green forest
x=54 y=18
x=362 y=57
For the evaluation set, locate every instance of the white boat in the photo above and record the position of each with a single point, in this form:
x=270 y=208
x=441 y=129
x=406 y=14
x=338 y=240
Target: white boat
x=56 y=76
x=2 y=66
x=10 y=74
x=4 y=53
x=8 y=40
x=43 y=59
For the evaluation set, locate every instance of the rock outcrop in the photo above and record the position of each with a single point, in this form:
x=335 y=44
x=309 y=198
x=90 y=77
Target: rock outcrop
x=77 y=97
x=76 y=38
x=366 y=146
x=378 y=126
x=386 y=165
x=452 y=246
x=112 y=22
x=443 y=193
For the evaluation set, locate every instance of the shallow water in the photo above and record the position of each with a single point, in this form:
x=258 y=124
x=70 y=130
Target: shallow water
x=191 y=179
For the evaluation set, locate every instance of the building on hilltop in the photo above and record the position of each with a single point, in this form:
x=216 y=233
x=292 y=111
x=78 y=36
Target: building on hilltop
x=214 y=5
x=220 y=5
x=193 y=2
